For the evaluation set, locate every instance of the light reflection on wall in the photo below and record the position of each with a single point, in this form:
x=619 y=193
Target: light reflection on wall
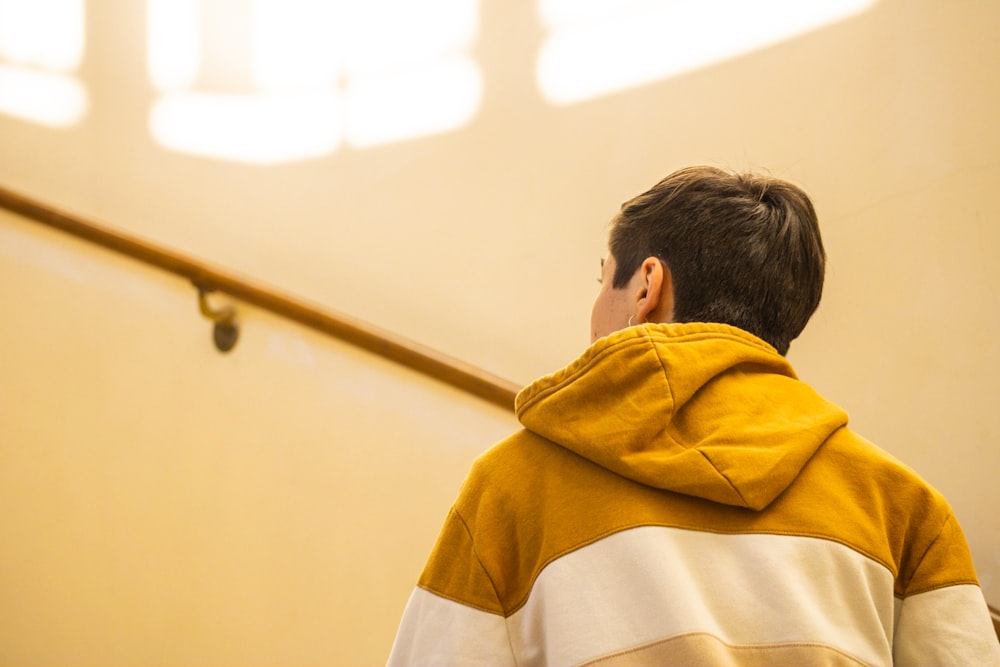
x=267 y=81
x=312 y=74
x=41 y=46
x=599 y=47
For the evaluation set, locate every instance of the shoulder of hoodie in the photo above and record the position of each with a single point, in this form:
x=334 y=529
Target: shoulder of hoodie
x=896 y=512
x=852 y=492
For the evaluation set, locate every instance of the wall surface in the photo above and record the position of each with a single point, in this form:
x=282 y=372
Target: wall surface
x=164 y=504
x=274 y=505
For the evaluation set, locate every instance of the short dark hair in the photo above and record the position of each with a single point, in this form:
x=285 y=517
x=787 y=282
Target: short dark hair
x=743 y=249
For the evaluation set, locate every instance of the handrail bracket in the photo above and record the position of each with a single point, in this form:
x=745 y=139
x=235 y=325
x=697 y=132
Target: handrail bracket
x=225 y=331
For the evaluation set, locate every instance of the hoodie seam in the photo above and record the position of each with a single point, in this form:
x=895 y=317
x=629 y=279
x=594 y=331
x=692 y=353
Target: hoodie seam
x=518 y=604
x=725 y=477
x=905 y=592
x=666 y=377
x=650 y=334
x=585 y=364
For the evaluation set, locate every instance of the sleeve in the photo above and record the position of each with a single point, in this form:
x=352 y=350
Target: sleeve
x=453 y=617
x=943 y=618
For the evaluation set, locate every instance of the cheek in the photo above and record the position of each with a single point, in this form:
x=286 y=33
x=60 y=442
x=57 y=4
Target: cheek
x=596 y=317
x=604 y=314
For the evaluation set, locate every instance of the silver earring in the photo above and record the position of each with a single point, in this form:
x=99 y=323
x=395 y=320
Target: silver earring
x=630 y=319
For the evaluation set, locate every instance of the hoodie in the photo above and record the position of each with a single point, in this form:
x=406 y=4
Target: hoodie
x=679 y=496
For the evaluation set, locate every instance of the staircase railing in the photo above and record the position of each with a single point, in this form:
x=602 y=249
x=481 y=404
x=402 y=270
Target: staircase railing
x=206 y=278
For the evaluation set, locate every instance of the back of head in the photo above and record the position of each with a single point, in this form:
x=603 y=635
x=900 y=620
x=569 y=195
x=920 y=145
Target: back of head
x=742 y=249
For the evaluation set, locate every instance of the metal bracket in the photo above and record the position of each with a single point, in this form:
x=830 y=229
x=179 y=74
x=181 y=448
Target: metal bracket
x=226 y=330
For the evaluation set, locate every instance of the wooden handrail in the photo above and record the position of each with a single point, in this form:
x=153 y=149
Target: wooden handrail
x=383 y=343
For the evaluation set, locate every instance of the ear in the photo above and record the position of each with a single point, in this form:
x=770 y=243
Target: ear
x=655 y=296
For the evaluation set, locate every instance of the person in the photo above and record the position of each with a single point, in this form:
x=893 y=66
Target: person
x=678 y=496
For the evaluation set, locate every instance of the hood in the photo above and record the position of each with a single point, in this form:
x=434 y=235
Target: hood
x=706 y=410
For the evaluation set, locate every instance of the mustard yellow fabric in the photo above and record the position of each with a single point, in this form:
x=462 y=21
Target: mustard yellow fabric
x=704 y=426
x=704 y=410
x=700 y=427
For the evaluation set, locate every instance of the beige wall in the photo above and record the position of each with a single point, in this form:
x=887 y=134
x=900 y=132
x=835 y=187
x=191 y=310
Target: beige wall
x=161 y=503
x=168 y=504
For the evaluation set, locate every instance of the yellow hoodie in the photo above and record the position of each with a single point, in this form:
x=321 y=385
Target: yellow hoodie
x=720 y=416
x=678 y=496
